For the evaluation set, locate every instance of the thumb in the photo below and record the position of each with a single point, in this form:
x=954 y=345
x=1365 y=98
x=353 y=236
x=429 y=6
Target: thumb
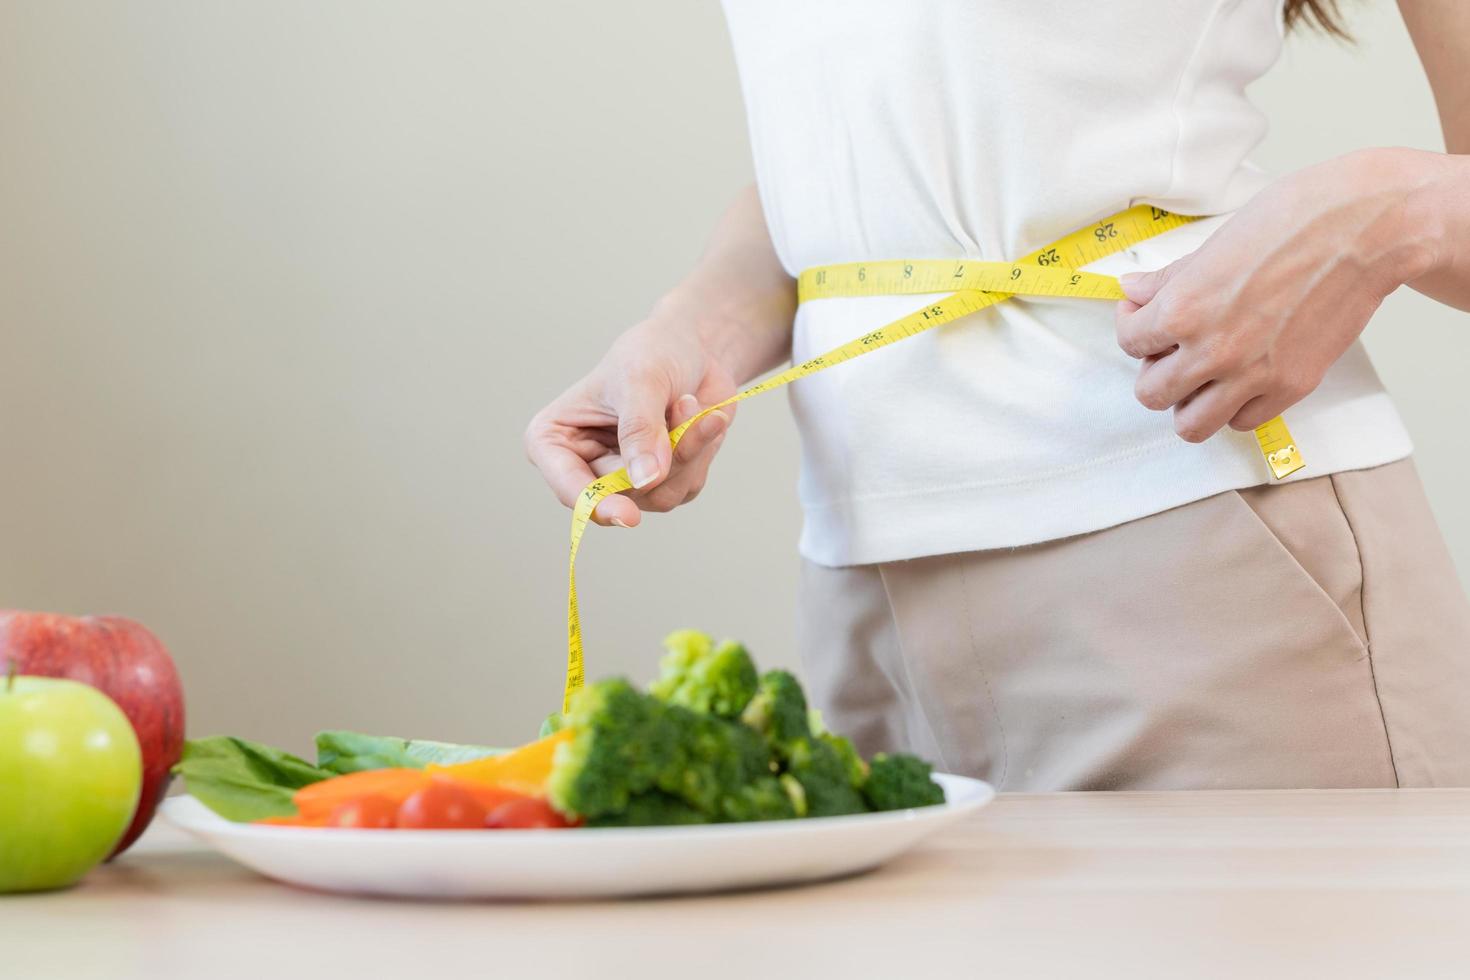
x=1140 y=287
x=641 y=405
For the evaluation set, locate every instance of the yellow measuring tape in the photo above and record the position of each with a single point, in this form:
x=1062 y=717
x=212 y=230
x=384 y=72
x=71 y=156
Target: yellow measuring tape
x=974 y=285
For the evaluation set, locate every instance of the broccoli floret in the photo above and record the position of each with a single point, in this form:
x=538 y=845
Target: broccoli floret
x=795 y=792
x=626 y=743
x=826 y=767
x=683 y=649
x=714 y=761
x=767 y=798
x=620 y=748
x=704 y=676
x=778 y=712
x=824 y=779
x=652 y=809
x=852 y=763
x=900 y=781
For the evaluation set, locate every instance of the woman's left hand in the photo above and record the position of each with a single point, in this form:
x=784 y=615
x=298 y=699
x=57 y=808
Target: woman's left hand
x=1246 y=326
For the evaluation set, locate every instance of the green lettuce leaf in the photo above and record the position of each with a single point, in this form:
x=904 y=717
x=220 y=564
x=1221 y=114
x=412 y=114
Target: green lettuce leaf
x=343 y=752
x=242 y=780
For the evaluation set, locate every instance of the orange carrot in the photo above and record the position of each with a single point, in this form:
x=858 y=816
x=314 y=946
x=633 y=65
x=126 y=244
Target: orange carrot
x=318 y=800
x=296 y=821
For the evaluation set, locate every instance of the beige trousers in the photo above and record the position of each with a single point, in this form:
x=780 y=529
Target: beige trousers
x=1312 y=634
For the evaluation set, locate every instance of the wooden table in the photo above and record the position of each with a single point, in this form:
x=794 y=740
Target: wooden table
x=1182 y=885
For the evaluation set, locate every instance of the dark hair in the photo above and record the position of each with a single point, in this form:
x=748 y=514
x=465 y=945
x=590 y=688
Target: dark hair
x=1321 y=14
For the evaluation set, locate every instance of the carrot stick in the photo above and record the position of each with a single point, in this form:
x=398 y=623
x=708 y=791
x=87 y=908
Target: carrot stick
x=296 y=821
x=318 y=800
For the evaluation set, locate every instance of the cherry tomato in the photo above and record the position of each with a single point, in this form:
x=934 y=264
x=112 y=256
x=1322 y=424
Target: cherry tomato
x=526 y=813
x=441 y=806
x=490 y=796
x=365 y=813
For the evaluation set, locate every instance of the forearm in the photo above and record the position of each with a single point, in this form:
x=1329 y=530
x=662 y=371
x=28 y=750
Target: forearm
x=1441 y=33
x=1393 y=217
x=1441 y=207
x=738 y=296
x=1440 y=30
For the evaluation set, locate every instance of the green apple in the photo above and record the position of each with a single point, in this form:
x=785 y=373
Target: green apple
x=70 y=773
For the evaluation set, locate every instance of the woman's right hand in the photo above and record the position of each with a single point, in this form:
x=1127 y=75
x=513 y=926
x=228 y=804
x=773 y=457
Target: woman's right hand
x=656 y=376
x=728 y=321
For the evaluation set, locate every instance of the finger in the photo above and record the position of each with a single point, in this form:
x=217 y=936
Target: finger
x=595 y=441
x=1165 y=380
x=1206 y=411
x=716 y=387
x=706 y=461
x=689 y=406
x=640 y=403
x=1142 y=287
x=685 y=407
x=616 y=509
x=689 y=465
x=700 y=435
x=687 y=480
x=1260 y=410
x=692 y=459
x=1141 y=329
x=564 y=469
x=568 y=474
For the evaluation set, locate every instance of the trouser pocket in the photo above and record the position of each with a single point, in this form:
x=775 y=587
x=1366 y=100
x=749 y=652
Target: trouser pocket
x=1306 y=520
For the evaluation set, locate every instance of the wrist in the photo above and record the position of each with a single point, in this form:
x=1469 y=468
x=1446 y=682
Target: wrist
x=1443 y=207
x=1431 y=213
x=745 y=334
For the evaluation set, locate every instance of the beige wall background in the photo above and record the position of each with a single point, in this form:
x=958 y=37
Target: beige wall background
x=281 y=283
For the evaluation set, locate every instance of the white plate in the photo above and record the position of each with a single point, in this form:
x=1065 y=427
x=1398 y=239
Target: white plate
x=584 y=863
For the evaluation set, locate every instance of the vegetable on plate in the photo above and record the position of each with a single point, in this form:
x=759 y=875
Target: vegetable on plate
x=712 y=740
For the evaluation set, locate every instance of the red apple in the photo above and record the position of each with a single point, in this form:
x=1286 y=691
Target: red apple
x=127 y=663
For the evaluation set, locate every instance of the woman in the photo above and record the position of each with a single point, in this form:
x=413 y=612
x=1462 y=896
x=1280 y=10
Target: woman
x=1040 y=544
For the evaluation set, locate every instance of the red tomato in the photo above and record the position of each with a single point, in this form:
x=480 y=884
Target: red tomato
x=489 y=796
x=365 y=813
x=441 y=806
x=526 y=813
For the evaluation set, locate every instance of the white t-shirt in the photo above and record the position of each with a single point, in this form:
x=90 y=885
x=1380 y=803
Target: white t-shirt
x=984 y=129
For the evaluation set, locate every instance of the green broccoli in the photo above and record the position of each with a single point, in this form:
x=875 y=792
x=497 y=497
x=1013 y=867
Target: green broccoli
x=826 y=767
x=627 y=743
x=703 y=676
x=824 y=779
x=714 y=760
x=714 y=742
x=852 y=763
x=900 y=781
x=620 y=748
x=795 y=792
x=652 y=809
x=766 y=798
x=778 y=712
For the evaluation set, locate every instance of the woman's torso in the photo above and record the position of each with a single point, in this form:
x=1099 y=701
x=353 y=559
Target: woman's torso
x=984 y=129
